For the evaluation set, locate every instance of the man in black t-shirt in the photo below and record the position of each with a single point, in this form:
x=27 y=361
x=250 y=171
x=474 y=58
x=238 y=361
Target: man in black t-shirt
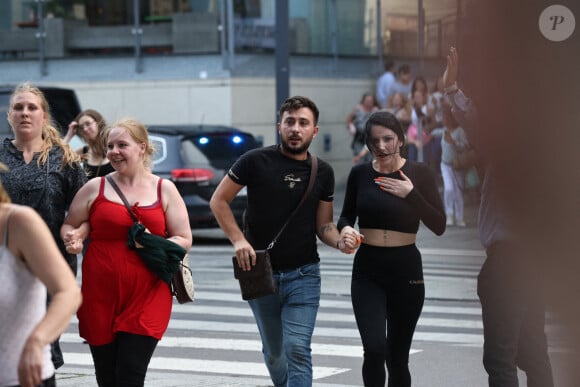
x=276 y=178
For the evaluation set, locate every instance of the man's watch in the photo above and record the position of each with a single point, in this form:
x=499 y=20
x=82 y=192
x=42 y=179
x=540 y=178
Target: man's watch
x=451 y=89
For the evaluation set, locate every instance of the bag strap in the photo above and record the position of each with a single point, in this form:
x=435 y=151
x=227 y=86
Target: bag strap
x=123 y=198
x=313 y=172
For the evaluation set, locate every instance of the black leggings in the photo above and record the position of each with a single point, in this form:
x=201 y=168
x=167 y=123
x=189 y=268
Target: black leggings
x=387 y=295
x=124 y=362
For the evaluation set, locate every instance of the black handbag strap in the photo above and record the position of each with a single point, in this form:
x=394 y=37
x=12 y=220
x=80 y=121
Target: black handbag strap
x=123 y=198
x=313 y=172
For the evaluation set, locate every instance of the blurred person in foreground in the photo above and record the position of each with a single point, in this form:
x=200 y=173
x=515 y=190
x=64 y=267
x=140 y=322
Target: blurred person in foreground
x=127 y=306
x=389 y=197
x=513 y=306
x=91 y=127
x=276 y=177
x=43 y=171
x=31 y=263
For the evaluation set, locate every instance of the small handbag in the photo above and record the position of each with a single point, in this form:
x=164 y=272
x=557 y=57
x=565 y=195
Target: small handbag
x=180 y=276
x=182 y=283
x=259 y=280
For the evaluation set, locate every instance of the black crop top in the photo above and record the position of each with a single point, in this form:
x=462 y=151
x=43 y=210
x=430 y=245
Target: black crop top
x=375 y=208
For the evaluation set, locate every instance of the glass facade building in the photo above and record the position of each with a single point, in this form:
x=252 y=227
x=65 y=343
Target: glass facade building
x=81 y=28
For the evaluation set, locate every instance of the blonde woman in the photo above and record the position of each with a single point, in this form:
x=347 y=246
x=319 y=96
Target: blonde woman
x=127 y=306
x=44 y=172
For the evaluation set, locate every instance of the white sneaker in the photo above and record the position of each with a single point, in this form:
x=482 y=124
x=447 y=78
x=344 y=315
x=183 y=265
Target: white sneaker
x=460 y=223
x=449 y=221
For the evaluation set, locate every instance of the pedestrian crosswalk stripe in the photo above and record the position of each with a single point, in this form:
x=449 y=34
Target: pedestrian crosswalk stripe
x=426 y=272
x=321 y=317
x=354 y=351
x=319 y=331
x=210 y=295
x=452 y=252
x=205 y=366
x=336 y=272
x=220 y=250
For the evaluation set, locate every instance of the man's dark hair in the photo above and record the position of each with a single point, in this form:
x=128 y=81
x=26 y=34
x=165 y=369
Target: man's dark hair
x=298 y=102
x=389 y=65
x=387 y=120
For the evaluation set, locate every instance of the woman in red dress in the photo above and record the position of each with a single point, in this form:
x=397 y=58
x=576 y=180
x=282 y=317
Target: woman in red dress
x=126 y=306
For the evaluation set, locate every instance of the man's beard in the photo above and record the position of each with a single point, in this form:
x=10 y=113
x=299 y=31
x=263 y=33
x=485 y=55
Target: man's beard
x=295 y=150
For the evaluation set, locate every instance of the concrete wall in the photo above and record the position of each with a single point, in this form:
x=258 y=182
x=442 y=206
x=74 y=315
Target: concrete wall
x=246 y=103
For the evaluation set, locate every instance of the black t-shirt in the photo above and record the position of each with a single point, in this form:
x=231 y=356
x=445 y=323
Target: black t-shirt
x=375 y=208
x=275 y=185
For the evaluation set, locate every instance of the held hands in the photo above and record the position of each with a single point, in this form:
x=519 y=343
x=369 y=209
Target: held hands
x=350 y=240
x=73 y=241
x=396 y=187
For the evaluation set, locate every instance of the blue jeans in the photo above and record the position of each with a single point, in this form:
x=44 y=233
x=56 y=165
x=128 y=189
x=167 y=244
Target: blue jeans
x=286 y=321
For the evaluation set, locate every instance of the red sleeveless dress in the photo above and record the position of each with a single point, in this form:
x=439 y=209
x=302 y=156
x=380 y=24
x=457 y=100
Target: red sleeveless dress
x=120 y=294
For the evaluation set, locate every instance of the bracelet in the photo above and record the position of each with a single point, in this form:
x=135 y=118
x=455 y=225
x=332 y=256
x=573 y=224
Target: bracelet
x=451 y=89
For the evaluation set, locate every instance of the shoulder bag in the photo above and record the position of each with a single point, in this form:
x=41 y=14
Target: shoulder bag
x=259 y=281
x=166 y=258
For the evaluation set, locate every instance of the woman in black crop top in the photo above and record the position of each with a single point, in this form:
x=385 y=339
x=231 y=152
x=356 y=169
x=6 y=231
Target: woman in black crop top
x=90 y=126
x=389 y=196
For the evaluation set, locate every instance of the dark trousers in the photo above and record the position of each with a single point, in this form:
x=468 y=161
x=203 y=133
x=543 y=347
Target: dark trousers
x=513 y=320
x=124 y=362
x=387 y=295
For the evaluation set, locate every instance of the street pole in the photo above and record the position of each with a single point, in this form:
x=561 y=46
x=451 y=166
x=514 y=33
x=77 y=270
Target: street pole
x=421 y=35
x=282 y=54
x=231 y=27
x=137 y=31
x=222 y=32
x=380 y=36
x=421 y=52
x=41 y=36
x=334 y=35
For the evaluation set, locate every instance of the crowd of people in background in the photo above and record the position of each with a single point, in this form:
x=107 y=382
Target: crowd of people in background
x=419 y=105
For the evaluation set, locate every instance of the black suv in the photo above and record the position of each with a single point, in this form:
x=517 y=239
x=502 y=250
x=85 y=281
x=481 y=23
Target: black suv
x=196 y=158
x=64 y=107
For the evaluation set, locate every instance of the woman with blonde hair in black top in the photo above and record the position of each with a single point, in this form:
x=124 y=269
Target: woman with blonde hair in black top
x=44 y=172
